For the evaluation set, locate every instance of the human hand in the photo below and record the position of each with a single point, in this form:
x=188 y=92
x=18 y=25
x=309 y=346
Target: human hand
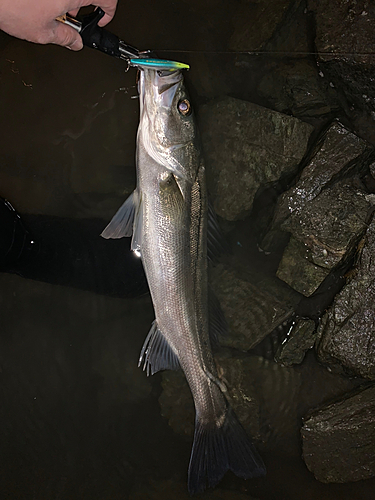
x=35 y=21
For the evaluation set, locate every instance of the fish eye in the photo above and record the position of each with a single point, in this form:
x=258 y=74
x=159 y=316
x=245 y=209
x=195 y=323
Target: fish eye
x=184 y=107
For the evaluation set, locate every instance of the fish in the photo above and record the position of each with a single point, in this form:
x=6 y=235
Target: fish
x=168 y=218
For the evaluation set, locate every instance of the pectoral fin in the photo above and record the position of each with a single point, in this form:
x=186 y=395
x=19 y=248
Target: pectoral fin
x=122 y=223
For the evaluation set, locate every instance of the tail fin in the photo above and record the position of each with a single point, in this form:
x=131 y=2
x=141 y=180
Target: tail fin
x=219 y=449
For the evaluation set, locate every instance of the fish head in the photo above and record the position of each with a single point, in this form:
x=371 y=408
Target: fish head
x=167 y=125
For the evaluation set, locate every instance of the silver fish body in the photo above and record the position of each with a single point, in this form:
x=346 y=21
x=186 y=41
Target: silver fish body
x=168 y=217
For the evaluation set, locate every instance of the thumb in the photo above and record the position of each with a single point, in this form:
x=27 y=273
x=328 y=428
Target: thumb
x=66 y=37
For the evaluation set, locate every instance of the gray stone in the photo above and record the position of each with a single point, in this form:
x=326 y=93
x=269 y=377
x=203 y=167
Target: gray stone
x=346 y=336
x=301 y=337
x=298 y=271
x=325 y=214
x=251 y=311
x=339 y=439
x=346 y=46
x=336 y=153
x=292 y=38
x=247 y=146
x=330 y=224
x=324 y=232
x=345 y=31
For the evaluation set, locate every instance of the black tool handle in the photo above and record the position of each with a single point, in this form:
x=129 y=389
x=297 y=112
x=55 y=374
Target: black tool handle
x=98 y=38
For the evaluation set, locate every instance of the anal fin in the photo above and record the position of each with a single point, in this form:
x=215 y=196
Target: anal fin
x=156 y=353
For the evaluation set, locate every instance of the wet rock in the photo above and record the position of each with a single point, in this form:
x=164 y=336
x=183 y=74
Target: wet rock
x=339 y=439
x=263 y=144
x=298 y=271
x=336 y=154
x=330 y=223
x=301 y=337
x=344 y=31
x=254 y=23
x=251 y=311
x=325 y=212
x=346 y=335
x=325 y=231
x=296 y=88
x=346 y=46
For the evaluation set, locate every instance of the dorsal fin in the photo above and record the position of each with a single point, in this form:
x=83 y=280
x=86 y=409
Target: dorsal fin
x=216 y=243
x=217 y=325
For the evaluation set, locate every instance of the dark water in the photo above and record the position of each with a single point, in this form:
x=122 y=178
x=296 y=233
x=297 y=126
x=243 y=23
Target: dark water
x=78 y=419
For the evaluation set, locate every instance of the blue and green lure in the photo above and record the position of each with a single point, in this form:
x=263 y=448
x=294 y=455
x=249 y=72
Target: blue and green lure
x=160 y=64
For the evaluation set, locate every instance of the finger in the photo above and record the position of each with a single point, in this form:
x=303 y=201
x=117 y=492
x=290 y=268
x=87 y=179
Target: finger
x=105 y=20
x=73 y=12
x=109 y=7
x=66 y=37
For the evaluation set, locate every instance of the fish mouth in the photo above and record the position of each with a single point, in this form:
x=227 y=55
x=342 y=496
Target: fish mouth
x=158 y=87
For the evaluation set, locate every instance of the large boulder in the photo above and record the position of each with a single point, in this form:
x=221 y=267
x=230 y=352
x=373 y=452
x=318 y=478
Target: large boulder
x=324 y=232
x=346 y=338
x=339 y=439
x=247 y=146
x=346 y=46
x=324 y=211
x=336 y=154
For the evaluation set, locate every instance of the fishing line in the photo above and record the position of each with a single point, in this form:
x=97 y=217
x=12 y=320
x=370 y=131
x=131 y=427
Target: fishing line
x=262 y=52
